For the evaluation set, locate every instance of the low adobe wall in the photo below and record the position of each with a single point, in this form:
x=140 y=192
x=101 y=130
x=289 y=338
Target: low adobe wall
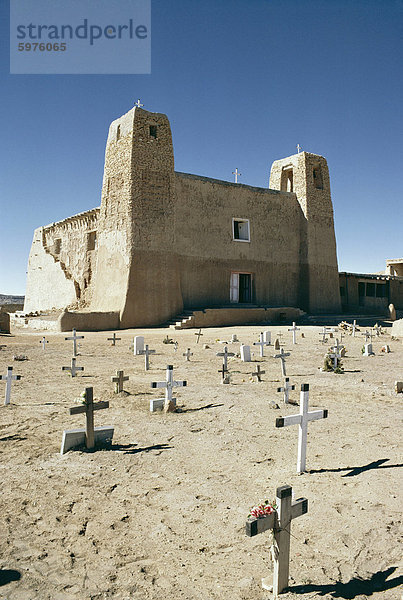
x=4 y=322
x=88 y=321
x=220 y=317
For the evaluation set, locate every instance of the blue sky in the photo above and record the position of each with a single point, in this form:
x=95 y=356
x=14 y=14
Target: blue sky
x=242 y=82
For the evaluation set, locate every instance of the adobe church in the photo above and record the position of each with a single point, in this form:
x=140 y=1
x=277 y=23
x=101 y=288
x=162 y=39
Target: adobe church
x=162 y=241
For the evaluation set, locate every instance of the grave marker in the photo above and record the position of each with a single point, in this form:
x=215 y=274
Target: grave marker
x=368 y=336
x=261 y=343
x=188 y=354
x=354 y=328
x=91 y=435
x=336 y=354
x=324 y=333
x=199 y=334
x=267 y=337
x=43 y=341
x=74 y=337
x=73 y=369
x=8 y=379
x=168 y=403
x=286 y=390
x=234 y=339
x=258 y=373
x=113 y=339
x=147 y=354
x=225 y=354
x=279 y=521
x=277 y=344
x=282 y=356
x=368 y=350
x=302 y=420
x=138 y=344
x=245 y=353
x=118 y=380
x=223 y=371
x=294 y=330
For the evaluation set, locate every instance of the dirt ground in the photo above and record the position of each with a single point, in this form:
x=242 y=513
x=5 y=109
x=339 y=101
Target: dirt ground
x=161 y=513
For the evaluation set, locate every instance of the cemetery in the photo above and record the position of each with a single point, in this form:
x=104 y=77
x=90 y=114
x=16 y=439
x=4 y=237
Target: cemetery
x=142 y=477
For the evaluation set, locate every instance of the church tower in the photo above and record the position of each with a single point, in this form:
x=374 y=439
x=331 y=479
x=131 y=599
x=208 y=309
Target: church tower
x=307 y=176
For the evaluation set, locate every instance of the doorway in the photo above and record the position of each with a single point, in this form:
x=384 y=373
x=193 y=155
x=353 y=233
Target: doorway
x=241 y=288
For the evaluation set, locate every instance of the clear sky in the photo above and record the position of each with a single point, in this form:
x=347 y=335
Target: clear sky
x=242 y=82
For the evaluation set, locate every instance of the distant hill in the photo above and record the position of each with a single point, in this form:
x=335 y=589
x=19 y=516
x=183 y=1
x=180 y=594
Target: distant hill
x=5 y=299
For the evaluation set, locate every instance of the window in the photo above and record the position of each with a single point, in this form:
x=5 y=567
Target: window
x=57 y=246
x=287 y=180
x=241 y=287
x=91 y=240
x=317 y=178
x=153 y=131
x=240 y=230
x=118 y=133
x=370 y=292
x=381 y=290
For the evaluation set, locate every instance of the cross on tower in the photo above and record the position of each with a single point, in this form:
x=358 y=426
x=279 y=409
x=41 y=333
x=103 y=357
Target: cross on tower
x=280 y=522
x=286 y=389
x=73 y=369
x=118 y=380
x=302 y=420
x=262 y=343
x=258 y=373
x=43 y=341
x=113 y=339
x=225 y=356
x=168 y=403
x=299 y=148
x=199 y=334
x=138 y=104
x=8 y=379
x=282 y=356
x=75 y=337
x=294 y=330
x=88 y=408
x=188 y=354
x=147 y=354
x=237 y=174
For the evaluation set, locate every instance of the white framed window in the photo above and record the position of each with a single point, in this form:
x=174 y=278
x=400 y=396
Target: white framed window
x=240 y=230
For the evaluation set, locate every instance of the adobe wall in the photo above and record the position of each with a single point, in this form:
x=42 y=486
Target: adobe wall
x=206 y=252
x=4 y=322
x=386 y=289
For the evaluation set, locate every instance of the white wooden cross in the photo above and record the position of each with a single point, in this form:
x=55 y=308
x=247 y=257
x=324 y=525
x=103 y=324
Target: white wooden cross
x=147 y=353
x=237 y=174
x=368 y=336
x=75 y=337
x=188 y=354
x=261 y=344
x=282 y=356
x=302 y=420
x=286 y=389
x=279 y=521
x=138 y=104
x=258 y=373
x=43 y=341
x=73 y=369
x=8 y=379
x=294 y=330
x=225 y=356
x=88 y=408
x=336 y=354
x=113 y=339
x=169 y=384
x=199 y=334
x=299 y=148
x=118 y=380
x=324 y=333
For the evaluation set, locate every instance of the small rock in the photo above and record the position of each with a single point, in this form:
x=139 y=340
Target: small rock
x=273 y=404
x=205 y=346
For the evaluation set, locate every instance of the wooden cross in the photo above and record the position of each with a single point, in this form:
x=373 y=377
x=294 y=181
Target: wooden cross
x=8 y=379
x=378 y=330
x=298 y=148
x=199 y=334
x=279 y=521
x=73 y=369
x=88 y=408
x=223 y=370
x=302 y=420
x=286 y=389
x=336 y=354
x=354 y=328
x=169 y=384
x=324 y=333
x=138 y=104
x=282 y=356
x=188 y=354
x=118 y=380
x=225 y=356
x=147 y=353
x=113 y=339
x=237 y=174
x=258 y=373
x=43 y=341
x=261 y=344
x=294 y=330
x=175 y=346
x=75 y=337
x=368 y=336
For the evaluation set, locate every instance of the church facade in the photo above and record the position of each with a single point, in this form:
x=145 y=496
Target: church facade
x=164 y=241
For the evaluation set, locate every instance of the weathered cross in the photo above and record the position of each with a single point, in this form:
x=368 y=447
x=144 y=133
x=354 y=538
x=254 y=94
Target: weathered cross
x=294 y=330
x=118 y=380
x=43 y=341
x=368 y=336
x=237 y=174
x=113 y=339
x=324 y=333
x=225 y=356
x=138 y=104
x=282 y=356
x=8 y=379
x=279 y=521
x=88 y=408
x=258 y=373
x=286 y=389
x=336 y=354
x=199 y=334
x=299 y=148
x=75 y=337
x=73 y=369
x=147 y=352
x=188 y=354
x=169 y=384
x=261 y=344
x=302 y=420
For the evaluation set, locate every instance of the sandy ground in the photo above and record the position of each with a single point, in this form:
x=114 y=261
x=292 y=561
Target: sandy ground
x=161 y=514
